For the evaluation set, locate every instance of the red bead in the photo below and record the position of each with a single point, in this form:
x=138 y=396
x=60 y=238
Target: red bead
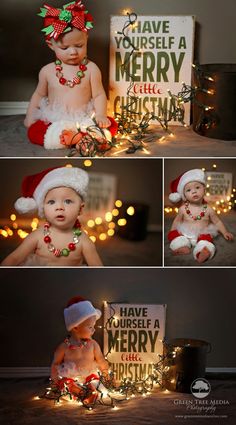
x=71 y=246
x=58 y=67
x=47 y=239
x=62 y=80
x=202 y=214
x=77 y=224
x=82 y=67
x=188 y=211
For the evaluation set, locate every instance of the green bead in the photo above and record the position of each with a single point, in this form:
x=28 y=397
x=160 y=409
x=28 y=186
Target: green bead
x=58 y=62
x=198 y=217
x=65 y=252
x=80 y=74
x=77 y=232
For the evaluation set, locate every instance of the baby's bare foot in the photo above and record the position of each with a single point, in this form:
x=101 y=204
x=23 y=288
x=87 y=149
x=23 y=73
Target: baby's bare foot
x=184 y=250
x=203 y=255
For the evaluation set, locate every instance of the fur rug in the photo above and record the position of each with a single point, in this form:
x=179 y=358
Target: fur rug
x=185 y=143
x=17 y=406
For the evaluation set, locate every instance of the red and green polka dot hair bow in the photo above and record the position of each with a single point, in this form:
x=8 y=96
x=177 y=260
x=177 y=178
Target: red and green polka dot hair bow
x=60 y=21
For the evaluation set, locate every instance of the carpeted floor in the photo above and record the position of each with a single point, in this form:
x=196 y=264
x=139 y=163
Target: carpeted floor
x=18 y=407
x=114 y=252
x=225 y=250
x=184 y=143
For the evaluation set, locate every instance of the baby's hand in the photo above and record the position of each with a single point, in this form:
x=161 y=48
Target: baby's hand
x=69 y=137
x=102 y=121
x=228 y=236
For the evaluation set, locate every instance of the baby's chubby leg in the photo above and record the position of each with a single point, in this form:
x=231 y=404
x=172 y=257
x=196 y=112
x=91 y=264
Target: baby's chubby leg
x=179 y=244
x=205 y=249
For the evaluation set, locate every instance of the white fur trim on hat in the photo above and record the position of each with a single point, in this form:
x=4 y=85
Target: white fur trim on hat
x=180 y=242
x=175 y=197
x=52 y=135
x=72 y=177
x=204 y=244
x=195 y=175
x=78 y=313
x=25 y=205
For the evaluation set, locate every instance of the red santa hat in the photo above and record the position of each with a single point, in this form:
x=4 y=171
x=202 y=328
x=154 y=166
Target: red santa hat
x=78 y=310
x=177 y=185
x=35 y=187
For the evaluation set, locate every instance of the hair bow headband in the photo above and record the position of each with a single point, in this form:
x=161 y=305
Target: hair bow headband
x=59 y=21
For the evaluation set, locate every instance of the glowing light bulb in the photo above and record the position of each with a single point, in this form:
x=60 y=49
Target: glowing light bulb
x=87 y=163
x=13 y=217
x=98 y=220
x=108 y=216
x=130 y=210
x=115 y=212
x=122 y=222
x=90 y=223
x=118 y=203
x=93 y=238
x=102 y=236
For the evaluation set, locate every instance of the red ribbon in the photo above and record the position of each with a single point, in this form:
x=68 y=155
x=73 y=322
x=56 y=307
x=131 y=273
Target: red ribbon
x=78 y=19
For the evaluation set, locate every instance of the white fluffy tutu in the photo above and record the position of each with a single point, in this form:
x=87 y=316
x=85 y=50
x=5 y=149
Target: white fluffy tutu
x=54 y=112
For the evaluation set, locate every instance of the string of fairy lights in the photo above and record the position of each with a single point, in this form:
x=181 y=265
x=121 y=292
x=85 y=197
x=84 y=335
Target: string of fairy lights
x=222 y=205
x=108 y=392
x=99 y=228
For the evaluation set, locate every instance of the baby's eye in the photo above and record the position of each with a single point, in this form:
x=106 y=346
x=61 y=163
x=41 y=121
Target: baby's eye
x=63 y=48
x=51 y=202
x=68 y=201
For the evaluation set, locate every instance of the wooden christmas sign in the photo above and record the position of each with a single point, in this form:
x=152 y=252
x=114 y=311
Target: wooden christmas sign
x=161 y=61
x=102 y=191
x=219 y=186
x=133 y=335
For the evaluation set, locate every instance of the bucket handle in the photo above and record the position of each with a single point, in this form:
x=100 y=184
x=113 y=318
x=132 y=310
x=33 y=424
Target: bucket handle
x=209 y=348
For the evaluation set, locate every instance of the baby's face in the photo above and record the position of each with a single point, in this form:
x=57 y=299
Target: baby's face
x=87 y=328
x=70 y=48
x=194 y=192
x=62 y=206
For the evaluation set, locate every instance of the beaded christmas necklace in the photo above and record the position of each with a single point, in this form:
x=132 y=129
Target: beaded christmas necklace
x=73 y=344
x=76 y=79
x=195 y=217
x=71 y=246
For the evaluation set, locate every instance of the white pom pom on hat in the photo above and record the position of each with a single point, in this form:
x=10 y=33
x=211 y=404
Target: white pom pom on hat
x=77 y=311
x=35 y=187
x=177 y=186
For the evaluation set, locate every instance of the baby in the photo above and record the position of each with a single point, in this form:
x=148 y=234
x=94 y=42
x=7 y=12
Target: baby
x=78 y=358
x=69 y=91
x=58 y=194
x=196 y=222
